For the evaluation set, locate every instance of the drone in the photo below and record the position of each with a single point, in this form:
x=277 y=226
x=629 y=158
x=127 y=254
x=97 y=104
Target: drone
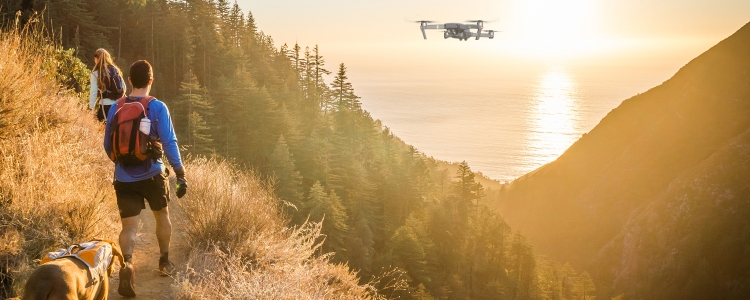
x=459 y=31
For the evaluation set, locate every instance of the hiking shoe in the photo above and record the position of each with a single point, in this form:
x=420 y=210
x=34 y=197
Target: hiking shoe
x=127 y=281
x=166 y=267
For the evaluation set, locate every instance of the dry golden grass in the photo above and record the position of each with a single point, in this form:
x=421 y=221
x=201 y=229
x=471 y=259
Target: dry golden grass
x=244 y=251
x=54 y=178
x=226 y=207
x=213 y=274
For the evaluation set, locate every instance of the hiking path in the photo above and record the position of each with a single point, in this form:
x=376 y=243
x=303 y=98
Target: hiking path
x=149 y=284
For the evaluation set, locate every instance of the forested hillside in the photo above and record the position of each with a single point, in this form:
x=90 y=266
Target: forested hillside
x=383 y=204
x=653 y=202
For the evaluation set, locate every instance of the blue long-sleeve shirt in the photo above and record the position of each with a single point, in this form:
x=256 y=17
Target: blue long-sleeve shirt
x=161 y=127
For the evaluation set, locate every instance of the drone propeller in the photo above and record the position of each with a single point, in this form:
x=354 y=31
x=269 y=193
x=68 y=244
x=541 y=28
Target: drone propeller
x=484 y=21
x=421 y=21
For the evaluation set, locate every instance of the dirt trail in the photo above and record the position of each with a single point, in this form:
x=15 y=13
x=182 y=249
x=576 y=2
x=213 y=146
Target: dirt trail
x=148 y=283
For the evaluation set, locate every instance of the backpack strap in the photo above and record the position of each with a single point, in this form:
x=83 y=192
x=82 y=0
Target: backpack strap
x=118 y=105
x=145 y=101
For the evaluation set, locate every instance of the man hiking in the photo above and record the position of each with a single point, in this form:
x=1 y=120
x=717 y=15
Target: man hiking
x=138 y=131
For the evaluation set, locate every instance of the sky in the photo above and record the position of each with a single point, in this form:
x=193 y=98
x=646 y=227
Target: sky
x=356 y=32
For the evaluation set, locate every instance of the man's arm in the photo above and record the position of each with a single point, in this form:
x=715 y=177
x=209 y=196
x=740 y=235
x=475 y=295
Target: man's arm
x=168 y=138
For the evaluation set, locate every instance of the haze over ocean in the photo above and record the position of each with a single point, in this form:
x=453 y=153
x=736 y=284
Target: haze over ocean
x=505 y=124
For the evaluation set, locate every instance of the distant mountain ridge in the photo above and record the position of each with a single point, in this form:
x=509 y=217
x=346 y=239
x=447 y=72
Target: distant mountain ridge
x=655 y=200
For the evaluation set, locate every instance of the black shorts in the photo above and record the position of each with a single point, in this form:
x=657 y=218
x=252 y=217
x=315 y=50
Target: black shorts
x=130 y=195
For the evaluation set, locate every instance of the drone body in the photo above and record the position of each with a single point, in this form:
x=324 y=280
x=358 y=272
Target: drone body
x=459 y=31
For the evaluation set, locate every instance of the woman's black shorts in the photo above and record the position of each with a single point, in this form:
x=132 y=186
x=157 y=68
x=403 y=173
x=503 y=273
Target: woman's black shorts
x=130 y=195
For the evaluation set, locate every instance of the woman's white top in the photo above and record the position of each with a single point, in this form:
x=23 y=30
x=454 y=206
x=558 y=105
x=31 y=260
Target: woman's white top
x=94 y=92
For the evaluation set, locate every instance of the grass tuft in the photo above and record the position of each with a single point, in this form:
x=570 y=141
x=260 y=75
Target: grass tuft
x=242 y=250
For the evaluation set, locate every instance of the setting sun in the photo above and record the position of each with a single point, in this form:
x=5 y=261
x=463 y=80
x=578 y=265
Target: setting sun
x=555 y=28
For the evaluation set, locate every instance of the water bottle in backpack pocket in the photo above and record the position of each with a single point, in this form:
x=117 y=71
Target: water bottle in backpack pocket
x=131 y=140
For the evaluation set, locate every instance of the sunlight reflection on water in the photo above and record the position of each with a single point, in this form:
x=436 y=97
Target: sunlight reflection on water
x=554 y=120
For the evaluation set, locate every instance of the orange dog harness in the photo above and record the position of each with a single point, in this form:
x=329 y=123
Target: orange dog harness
x=97 y=255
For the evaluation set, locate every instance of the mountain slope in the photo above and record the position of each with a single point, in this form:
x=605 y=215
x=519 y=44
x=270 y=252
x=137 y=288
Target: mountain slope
x=692 y=241
x=609 y=181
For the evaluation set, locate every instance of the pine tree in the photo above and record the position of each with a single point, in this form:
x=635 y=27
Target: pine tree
x=467 y=189
x=569 y=281
x=236 y=23
x=320 y=90
x=328 y=208
x=297 y=61
x=76 y=26
x=198 y=110
x=360 y=247
x=524 y=267
x=408 y=253
x=584 y=288
x=288 y=180
x=342 y=91
x=200 y=139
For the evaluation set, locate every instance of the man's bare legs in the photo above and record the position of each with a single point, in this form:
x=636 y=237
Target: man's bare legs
x=127 y=243
x=127 y=235
x=163 y=229
x=130 y=228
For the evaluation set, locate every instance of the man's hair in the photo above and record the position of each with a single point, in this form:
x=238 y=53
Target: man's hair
x=140 y=73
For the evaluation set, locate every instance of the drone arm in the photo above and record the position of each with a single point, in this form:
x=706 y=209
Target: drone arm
x=490 y=34
x=426 y=26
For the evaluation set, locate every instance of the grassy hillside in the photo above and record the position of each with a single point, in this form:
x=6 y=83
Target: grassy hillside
x=55 y=190
x=609 y=204
x=54 y=179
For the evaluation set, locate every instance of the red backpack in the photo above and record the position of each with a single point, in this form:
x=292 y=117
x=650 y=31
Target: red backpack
x=130 y=146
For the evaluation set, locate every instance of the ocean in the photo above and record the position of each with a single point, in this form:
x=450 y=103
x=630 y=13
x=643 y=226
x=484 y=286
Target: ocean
x=503 y=122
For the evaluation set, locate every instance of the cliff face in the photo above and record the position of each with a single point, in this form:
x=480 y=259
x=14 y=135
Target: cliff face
x=626 y=199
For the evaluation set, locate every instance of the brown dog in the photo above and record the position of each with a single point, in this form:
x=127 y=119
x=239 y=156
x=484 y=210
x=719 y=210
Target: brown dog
x=69 y=278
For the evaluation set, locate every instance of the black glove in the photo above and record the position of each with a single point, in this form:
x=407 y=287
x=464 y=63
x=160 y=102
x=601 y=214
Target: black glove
x=181 y=182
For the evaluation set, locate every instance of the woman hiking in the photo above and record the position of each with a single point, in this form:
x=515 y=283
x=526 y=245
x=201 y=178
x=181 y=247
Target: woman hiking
x=106 y=84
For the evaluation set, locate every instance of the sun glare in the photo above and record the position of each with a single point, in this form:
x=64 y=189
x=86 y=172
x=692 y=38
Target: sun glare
x=552 y=28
